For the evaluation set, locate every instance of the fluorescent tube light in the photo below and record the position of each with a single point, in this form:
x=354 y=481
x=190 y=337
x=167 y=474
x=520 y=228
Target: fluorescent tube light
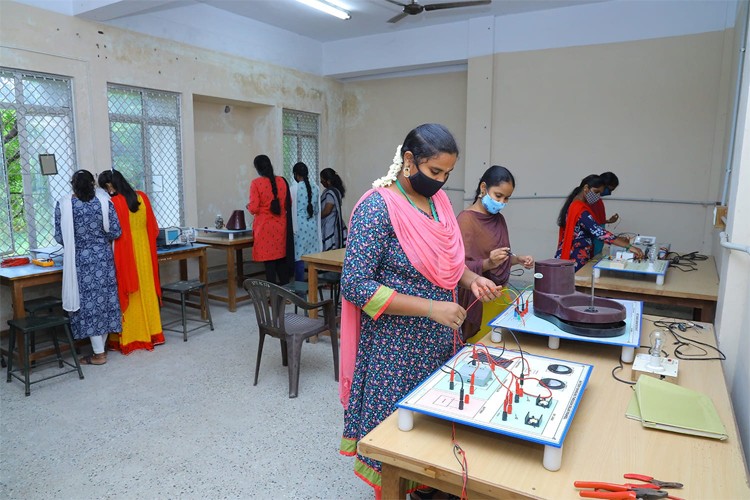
x=327 y=8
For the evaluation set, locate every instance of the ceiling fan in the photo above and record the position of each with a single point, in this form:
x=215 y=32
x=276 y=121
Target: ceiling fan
x=413 y=8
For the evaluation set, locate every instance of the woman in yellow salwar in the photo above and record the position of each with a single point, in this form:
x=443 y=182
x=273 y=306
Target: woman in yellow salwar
x=136 y=267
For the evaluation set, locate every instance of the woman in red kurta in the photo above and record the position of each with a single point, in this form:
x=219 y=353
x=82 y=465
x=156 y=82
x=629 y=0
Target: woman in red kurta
x=269 y=204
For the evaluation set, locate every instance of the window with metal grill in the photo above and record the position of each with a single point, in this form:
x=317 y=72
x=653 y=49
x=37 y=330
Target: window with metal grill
x=300 y=141
x=147 y=147
x=36 y=118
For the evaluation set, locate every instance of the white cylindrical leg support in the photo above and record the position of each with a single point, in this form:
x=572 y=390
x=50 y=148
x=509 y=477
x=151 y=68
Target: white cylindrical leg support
x=552 y=460
x=660 y=279
x=496 y=335
x=628 y=354
x=405 y=419
x=597 y=273
x=553 y=342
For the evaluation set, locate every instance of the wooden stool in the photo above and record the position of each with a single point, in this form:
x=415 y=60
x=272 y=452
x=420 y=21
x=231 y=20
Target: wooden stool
x=27 y=327
x=184 y=288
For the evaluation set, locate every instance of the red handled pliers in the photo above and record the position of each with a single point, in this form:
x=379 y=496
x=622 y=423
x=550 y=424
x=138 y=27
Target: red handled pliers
x=650 y=480
x=617 y=491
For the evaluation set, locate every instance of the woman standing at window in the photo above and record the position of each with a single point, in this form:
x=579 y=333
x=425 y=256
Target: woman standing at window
x=331 y=219
x=304 y=217
x=85 y=224
x=270 y=204
x=136 y=266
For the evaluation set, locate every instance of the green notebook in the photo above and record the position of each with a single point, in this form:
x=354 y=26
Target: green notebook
x=662 y=405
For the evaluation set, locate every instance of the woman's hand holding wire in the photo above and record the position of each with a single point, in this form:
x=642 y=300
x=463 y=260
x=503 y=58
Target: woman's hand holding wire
x=498 y=256
x=485 y=289
x=449 y=314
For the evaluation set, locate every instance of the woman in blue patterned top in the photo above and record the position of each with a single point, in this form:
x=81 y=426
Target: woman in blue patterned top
x=578 y=229
x=404 y=262
x=305 y=218
x=85 y=224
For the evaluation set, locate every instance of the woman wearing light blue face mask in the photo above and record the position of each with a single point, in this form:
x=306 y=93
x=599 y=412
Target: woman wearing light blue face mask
x=486 y=240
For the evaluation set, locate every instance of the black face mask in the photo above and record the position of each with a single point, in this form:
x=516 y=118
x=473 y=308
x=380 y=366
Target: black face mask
x=424 y=185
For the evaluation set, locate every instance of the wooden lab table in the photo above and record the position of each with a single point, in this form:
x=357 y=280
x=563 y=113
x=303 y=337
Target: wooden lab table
x=601 y=445
x=698 y=289
x=332 y=260
x=20 y=278
x=235 y=274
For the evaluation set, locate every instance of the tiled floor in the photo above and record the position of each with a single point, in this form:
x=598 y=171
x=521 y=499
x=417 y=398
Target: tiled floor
x=182 y=421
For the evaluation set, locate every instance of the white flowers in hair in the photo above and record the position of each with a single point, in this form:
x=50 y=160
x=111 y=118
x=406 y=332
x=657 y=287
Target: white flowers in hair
x=393 y=171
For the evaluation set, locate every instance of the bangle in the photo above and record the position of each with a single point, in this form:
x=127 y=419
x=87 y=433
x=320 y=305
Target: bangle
x=429 y=313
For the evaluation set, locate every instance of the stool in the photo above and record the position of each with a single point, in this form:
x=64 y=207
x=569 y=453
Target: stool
x=185 y=288
x=34 y=306
x=40 y=305
x=333 y=281
x=27 y=327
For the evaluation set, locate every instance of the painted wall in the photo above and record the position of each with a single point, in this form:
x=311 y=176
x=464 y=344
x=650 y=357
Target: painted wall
x=94 y=54
x=646 y=110
x=733 y=308
x=379 y=114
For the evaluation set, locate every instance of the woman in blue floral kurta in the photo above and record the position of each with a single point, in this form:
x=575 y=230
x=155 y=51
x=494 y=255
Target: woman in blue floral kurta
x=99 y=313
x=579 y=230
x=403 y=264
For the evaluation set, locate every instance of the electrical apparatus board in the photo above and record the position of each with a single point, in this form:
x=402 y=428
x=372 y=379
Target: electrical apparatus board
x=525 y=396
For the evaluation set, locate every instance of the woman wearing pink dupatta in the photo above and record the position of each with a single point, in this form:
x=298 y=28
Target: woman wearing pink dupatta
x=404 y=262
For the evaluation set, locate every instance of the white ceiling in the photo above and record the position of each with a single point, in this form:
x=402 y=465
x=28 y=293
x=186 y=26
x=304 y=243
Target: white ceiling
x=369 y=17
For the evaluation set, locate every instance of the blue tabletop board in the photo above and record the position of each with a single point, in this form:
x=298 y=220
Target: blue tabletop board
x=552 y=392
x=538 y=326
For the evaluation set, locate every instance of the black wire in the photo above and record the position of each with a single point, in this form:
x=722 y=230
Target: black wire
x=682 y=343
x=617 y=368
x=685 y=262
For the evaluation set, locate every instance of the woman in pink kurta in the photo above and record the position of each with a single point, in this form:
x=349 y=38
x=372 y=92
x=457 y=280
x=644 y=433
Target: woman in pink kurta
x=269 y=202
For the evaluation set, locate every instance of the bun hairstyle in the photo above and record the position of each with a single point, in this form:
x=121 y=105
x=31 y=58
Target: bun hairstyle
x=427 y=141
x=329 y=175
x=121 y=186
x=264 y=168
x=610 y=179
x=83 y=185
x=592 y=181
x=494 y=176
x=300 y=169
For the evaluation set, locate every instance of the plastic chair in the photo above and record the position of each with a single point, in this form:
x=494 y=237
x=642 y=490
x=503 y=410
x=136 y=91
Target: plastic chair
x=291 y=329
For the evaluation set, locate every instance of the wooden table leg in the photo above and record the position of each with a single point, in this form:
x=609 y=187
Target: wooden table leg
x=240 y=266
x=183 y=270
x=393 y=486
x=18 y=313
x=706 y=313
x=231 y=280
x=312 y=287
